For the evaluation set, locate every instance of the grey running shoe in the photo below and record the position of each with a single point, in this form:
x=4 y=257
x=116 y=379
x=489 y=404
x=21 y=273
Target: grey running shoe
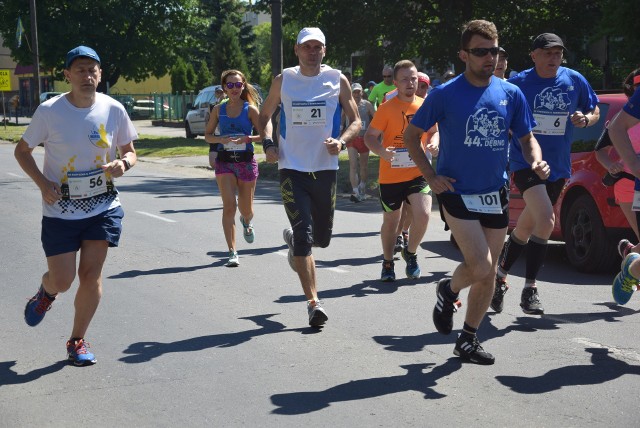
x=249 y=232
x=444 y=308
x=287 y=234
x=497 y=302
x=388 y=273
x=233 y=259
x=317 y=315
x=412 y=270
x=399 y=244
x=530 y=302
x=624 y=246
x=468 y=348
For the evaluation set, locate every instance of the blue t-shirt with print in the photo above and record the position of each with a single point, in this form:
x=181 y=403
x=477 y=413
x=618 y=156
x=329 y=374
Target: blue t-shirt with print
x=632 y=107
x=474 y=125
x=553 y=100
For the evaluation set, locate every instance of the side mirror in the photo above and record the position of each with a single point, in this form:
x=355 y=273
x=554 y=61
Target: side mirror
x=189 y=106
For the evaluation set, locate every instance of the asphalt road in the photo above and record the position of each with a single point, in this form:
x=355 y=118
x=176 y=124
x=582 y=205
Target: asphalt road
x=182 y=340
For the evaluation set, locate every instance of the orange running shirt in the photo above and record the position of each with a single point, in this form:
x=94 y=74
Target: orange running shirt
x=392 y=118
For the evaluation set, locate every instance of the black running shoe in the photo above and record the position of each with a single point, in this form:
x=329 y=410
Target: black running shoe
x=399 y=244
x=497 y=302
x=468 y=348
x=444 y=309
x=530 y=303
x=388 y=273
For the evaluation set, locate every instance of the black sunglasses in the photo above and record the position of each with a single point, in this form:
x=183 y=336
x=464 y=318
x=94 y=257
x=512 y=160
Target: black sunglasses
x=230 y=85
x=480 y=52
x=387 y=75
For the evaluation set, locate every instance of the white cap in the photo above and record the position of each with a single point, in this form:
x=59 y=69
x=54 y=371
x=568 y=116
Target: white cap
x=310 y=33
x=356 y=87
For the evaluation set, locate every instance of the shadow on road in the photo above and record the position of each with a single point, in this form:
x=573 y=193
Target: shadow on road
x=416 y=379
x=603 y=368
x=143 y=352
x=9 y=377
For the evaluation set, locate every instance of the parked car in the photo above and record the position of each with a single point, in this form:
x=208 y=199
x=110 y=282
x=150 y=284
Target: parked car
x=47 y=95
x=198 y=115
x=588 y=220
x=146 y=109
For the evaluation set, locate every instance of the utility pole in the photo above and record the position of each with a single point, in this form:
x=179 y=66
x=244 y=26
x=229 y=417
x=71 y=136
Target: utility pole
x=36 y=52
x=276 y=37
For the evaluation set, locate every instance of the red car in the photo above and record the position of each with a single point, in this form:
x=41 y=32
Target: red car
x=587 y=218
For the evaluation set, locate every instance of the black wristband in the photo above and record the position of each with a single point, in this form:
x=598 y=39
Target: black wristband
x=343 y=145
x=586 y=121
x=127 y=165
x=266 y=143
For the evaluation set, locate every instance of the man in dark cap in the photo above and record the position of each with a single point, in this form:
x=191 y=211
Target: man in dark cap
x=83 y=131
x=561 y=99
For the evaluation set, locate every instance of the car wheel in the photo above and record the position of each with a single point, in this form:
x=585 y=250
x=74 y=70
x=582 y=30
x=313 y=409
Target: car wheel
x=187 y=129
x=586 y=243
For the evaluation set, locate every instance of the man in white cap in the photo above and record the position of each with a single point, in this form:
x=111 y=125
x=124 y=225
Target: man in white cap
x=561 y=100
x=82 y=130
x=311 y=96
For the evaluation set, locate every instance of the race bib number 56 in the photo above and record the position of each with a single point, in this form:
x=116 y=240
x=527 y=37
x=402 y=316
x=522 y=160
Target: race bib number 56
x=86 y=184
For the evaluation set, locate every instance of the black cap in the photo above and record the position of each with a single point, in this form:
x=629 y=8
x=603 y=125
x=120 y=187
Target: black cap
x=546 y=41
x=503 y=52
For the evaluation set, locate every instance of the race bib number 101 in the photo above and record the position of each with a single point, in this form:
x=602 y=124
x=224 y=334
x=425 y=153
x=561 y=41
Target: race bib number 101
x=487 y=203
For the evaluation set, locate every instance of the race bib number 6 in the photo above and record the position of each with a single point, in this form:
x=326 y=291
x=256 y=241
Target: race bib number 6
x=550 y=124
x=86 y=184
x=487 y=203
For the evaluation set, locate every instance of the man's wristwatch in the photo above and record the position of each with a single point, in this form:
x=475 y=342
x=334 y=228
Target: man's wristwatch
x=343 y=145
x=586 y=121
x=127 y=165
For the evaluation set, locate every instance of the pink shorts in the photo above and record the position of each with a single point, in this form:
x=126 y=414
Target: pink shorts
x=244 y=171
x=623 y=191
x=358 y=144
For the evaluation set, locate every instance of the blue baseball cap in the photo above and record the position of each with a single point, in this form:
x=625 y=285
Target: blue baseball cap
x=80 y=51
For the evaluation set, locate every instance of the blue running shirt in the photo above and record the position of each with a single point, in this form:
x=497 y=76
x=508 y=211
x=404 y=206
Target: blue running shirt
x=632 y=107
x=474 y=128
x=553 y=100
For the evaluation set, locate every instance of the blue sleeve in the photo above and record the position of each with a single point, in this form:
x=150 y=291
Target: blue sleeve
x=523 y=121
x=426 y=116
x=632 y=107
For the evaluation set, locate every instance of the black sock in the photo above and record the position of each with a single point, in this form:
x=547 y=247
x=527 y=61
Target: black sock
x=536 y=253
x=467 y=330
x=510 y=253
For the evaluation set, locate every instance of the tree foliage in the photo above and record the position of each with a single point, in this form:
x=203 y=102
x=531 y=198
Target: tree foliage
x=135 y=39
x=204 y=77
x=228 y=53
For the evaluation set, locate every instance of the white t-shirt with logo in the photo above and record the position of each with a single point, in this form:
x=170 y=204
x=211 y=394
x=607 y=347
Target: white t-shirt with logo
x=77 y=142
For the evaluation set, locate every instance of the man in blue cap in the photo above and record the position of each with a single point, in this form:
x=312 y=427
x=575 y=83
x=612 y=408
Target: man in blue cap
x=81 y=131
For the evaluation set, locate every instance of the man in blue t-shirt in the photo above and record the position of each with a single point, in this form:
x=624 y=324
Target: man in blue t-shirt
x=561 y=99
x=474 y=112
x=627 y=280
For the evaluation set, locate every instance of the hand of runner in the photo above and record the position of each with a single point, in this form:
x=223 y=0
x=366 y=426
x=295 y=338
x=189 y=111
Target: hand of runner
x=579 y=120
x=441 y=183
x=333 y=146
x=115 y=168
x=542 y=169
x=388 y=154
x=434 y=149
x=271 y=154
x=51 y=192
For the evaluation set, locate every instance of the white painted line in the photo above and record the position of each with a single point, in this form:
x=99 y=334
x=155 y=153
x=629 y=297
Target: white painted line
x=15 y=175
x=285 y=253
x=156 y=216
x=618 y=354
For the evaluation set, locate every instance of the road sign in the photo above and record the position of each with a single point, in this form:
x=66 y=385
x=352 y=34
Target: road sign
x=5 y=80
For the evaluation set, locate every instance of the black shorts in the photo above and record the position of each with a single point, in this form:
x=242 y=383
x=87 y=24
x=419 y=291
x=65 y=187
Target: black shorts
x=392 y=195
x=456 y=207
x=525 y=179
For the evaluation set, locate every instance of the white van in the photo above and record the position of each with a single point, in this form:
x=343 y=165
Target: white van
x=198 y=115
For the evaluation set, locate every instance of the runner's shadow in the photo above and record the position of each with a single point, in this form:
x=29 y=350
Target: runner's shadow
x=143 y=352
x=10 y=377
x=416 y=379
x=366 y=288
x=603 y=368
x=165 y=271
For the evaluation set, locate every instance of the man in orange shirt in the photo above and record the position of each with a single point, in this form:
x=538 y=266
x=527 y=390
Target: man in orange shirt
x=400 y=180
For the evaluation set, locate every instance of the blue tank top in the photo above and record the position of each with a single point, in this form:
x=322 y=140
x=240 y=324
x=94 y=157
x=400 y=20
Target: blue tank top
x=232 y=126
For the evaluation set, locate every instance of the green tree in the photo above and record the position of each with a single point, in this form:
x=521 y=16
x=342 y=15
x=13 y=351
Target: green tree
x=227 y=53
x=179 y=81
x=135 y=40
x=204 y=77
